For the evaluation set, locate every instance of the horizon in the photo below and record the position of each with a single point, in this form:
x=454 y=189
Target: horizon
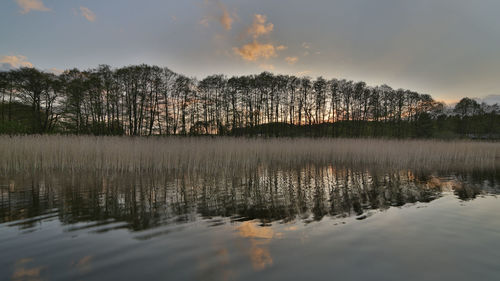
x=446 y=49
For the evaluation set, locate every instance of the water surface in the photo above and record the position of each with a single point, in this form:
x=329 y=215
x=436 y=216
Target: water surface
x=265 y=224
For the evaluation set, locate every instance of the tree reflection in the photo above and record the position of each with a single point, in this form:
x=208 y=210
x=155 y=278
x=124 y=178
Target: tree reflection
x=139 y=202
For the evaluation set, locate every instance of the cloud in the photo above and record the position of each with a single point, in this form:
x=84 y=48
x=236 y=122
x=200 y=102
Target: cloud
x=31 y=5
x=259 y=26
x=255 y=50
x=281 y=47
x=218 y=12
x=225 y=20
x=490 y=99
x=291 y=60
x=13 y=62
x=55 y=71
x=309 y=49
x=303 y=73
x=266 y=66
x=87 y=13
x=205 y=21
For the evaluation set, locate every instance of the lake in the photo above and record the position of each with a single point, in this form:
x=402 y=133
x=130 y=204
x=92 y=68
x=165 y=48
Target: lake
x=312 y=222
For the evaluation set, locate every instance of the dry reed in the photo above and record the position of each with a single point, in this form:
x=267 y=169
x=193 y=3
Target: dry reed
x=215 y=155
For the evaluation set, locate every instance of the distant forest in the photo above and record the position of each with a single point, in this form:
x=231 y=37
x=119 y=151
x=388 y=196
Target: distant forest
x=145 y=100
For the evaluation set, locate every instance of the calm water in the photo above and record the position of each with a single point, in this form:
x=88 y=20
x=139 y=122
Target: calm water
x=320 y=223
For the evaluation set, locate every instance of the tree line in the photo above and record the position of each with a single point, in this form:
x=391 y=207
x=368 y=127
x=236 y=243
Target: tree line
x=148 y=100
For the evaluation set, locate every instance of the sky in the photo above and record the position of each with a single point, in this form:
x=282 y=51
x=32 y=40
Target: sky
x=446 y=48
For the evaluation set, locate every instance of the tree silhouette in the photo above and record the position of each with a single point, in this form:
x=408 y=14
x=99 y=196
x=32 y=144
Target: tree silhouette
x=149 y=100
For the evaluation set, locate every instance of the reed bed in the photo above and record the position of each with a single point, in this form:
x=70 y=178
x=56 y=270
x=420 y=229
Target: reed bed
x=215 y=155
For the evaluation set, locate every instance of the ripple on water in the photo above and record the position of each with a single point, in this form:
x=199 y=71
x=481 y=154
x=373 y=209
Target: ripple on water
x=311 y=223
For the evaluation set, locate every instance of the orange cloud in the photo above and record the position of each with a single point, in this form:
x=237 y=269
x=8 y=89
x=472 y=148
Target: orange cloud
x=259 y=26
x=291 y=60
x=31 y=5
x=225 y=19
x=87 y=13
x=256 y=50
x=11 y=62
